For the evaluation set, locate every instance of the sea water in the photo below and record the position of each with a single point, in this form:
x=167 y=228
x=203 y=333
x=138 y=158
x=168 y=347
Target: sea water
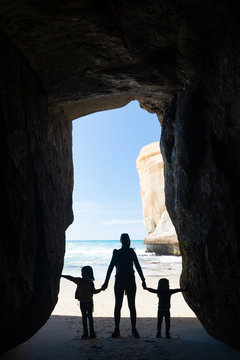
x=98 y=253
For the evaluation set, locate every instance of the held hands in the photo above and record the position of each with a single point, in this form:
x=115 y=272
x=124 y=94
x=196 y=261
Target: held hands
x=104 y=286
x=144 y=285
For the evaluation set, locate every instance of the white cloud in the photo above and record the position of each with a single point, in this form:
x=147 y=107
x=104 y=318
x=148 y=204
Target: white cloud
x=95 y=220
x=120 y=222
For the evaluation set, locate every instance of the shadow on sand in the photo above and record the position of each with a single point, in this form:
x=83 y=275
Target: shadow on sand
x=60 y=338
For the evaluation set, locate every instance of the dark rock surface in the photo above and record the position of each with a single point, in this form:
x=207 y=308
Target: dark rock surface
x=61 y=60
x=36 y=186
x=201 y=147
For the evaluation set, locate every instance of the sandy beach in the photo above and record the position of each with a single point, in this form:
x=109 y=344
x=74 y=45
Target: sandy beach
x=61 y=335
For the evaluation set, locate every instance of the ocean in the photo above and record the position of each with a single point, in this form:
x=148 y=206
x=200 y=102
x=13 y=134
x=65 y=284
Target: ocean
x=98 y=253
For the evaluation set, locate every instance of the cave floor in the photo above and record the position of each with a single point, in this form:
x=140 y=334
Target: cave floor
x=61 y=338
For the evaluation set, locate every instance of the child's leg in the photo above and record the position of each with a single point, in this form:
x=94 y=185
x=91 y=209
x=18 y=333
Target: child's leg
x=90 y=319
x=159 y=323
x=84 y=319
x=167 y=320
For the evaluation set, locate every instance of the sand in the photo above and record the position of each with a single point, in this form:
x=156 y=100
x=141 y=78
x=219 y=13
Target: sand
x=60 y=338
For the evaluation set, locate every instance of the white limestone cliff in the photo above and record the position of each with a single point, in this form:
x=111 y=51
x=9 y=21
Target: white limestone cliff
x=161 y=237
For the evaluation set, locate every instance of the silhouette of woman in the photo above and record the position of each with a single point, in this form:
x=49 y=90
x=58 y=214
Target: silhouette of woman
x=123 y=259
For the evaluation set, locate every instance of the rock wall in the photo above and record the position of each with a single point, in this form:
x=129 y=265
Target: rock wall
x=201 y=147
x=161 y=237
x=36 y=187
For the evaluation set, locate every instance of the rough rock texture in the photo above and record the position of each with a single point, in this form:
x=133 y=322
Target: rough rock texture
x=200 y=143
x=36 y=185
x=92 y=56
x=161 y=237
x=180 y=59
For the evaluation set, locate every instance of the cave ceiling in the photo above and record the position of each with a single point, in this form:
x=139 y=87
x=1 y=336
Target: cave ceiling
x=108 y=53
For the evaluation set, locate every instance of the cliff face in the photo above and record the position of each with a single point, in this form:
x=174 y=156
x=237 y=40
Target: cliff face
x=161 y=237
x=61 y=60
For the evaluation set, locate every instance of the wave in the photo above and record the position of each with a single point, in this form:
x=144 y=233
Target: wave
x=98 y=254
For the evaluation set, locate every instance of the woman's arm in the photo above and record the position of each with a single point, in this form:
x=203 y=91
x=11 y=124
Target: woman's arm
x=138 y=266
x=109 y=271
x=71 y=278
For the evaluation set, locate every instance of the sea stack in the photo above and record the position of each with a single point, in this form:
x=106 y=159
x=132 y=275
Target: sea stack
x=161 y=237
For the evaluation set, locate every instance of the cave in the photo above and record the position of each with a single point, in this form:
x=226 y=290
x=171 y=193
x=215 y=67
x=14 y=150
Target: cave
x=63 y=60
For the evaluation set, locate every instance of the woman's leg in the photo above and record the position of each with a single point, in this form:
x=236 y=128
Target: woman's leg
x=131 y=294
x=119 y=292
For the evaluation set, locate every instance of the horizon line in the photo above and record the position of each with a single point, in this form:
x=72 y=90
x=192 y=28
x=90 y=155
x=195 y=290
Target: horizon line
x=102 y=240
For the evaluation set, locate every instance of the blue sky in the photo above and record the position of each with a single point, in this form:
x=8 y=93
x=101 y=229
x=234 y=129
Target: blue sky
x=106 y=196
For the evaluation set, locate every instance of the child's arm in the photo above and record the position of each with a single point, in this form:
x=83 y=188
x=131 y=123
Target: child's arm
x=97 y=291
x=71 y=278
x=174 y=291
x=155 y=291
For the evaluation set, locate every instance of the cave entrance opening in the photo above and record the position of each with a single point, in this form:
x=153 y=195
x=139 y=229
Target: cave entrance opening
x=107 y=194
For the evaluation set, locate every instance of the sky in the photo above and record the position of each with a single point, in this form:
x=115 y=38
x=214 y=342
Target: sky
x=106 y=195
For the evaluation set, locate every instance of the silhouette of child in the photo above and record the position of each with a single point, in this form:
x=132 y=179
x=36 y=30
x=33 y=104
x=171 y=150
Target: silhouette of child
x=164 y=296
x=84 y=293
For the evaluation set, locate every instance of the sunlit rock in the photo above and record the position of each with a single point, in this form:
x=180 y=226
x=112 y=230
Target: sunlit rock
x=161 y=237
